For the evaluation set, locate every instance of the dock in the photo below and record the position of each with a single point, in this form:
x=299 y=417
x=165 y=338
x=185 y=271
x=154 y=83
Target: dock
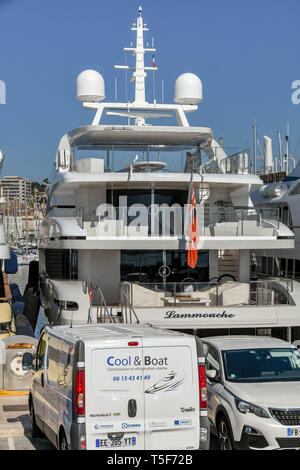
x=15 y=425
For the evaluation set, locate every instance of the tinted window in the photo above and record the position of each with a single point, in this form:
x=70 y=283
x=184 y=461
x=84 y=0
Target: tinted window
x=262 y=365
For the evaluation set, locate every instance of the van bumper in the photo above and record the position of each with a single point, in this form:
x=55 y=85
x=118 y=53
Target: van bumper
x=204 y=432
x=76 y=432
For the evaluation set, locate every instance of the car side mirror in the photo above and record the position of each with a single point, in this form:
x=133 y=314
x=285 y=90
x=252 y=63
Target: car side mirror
x=27 y=361
x=211 y=374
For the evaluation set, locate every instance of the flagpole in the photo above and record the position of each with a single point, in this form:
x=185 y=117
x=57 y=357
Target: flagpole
x=188 y=204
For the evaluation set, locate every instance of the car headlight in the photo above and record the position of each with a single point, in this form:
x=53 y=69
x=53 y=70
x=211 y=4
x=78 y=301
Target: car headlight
x=246 y=407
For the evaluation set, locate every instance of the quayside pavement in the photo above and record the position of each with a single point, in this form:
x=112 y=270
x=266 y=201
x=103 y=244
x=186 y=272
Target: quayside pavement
x=15 y=426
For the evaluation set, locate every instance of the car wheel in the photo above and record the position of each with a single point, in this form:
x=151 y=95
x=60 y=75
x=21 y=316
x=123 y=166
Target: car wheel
x=35 y=430
x=224 y=435
x=63 y=443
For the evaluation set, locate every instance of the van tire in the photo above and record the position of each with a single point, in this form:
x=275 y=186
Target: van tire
x=225 y=434
x=35 y=430
x=63 y=443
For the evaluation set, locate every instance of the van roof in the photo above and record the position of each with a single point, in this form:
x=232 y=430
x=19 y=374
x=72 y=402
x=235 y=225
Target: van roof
x=245 y=342
x=109 y=331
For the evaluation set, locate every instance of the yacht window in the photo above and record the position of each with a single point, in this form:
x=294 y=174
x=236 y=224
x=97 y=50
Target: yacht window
x=258 y=265
x=133 y=196
x=205 y=333
x=270 y=266
x=276 y=267
x=144 y=266
x=290 y=268
x=62 y=264
x=280 y=333
x=283 y=263
x=264 y=265
x=263 y=332
x=286 y=215
x=297 y=269
x=295 y=333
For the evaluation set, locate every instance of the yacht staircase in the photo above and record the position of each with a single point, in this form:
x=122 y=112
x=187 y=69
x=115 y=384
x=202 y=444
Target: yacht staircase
x=228 y=262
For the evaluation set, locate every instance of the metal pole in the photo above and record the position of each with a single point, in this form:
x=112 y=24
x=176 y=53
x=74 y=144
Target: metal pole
x=254 y=146
x=280 y=151
x=287 y=148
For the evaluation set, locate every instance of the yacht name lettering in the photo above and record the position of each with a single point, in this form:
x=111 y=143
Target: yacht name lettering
x=172 y=314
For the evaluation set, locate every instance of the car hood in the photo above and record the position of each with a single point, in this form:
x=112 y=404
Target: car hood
x=276 y=394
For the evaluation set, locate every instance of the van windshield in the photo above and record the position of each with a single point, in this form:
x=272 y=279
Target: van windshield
x=262 y=365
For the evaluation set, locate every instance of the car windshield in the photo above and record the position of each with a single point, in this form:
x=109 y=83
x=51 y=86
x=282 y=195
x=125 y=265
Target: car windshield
x=262 y=365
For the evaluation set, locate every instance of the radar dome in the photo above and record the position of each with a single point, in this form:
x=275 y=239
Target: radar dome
x=90 y=86
x=188 y=89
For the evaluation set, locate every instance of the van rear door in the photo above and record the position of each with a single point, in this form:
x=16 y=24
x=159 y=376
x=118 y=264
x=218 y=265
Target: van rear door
x=171 y=393
x=114 y=384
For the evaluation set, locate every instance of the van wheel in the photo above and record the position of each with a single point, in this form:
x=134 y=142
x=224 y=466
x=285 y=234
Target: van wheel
x=35 y=430
x=225 y=435
x=63 y=443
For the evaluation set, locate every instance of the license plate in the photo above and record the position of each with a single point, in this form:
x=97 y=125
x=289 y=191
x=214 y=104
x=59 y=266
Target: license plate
x=293 y=432
x=124 y=442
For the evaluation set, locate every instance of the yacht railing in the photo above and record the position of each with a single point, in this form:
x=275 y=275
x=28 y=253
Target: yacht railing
x=103 y=313
x=164 y=158
x=128 y=312
x=172 y=221
x=209 y=294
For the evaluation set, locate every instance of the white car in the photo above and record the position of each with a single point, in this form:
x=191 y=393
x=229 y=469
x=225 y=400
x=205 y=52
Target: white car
x=253 y=387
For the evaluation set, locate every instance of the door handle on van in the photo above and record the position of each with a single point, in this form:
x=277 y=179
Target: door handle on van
x=42 y=379
x=132 y=408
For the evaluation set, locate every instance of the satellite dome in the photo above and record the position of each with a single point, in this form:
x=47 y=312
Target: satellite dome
x=188 y=89
x=90 y=86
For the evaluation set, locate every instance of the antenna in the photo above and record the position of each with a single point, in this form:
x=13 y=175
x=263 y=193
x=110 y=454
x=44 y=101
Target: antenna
x=116 y=89
x=139 y=69
x=254 y=147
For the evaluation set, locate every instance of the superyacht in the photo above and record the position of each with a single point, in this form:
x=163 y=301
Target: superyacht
x=153 y=223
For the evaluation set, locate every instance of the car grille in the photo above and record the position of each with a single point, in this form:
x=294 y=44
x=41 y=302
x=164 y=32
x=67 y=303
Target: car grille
x=286 y=417
x=288 y=442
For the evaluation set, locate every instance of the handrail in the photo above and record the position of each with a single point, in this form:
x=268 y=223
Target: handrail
x=127 y=305
x=103 y=305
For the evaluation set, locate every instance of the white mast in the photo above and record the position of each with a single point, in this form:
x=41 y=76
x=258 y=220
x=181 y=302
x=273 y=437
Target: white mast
x=138 y=70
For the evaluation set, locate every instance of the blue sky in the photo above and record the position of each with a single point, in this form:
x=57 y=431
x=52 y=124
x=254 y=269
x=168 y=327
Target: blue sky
x=245 y=52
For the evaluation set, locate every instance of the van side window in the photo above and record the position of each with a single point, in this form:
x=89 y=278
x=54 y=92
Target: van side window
x=212 y=361
x=66 y=365
x=40 y=355
x=53 y=355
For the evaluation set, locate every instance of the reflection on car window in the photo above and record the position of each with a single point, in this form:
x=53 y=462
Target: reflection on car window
x=40 y=356
x=262 y=365
x=212 y=361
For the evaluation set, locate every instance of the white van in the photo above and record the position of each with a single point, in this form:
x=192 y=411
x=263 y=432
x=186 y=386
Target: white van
x=121 y=386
